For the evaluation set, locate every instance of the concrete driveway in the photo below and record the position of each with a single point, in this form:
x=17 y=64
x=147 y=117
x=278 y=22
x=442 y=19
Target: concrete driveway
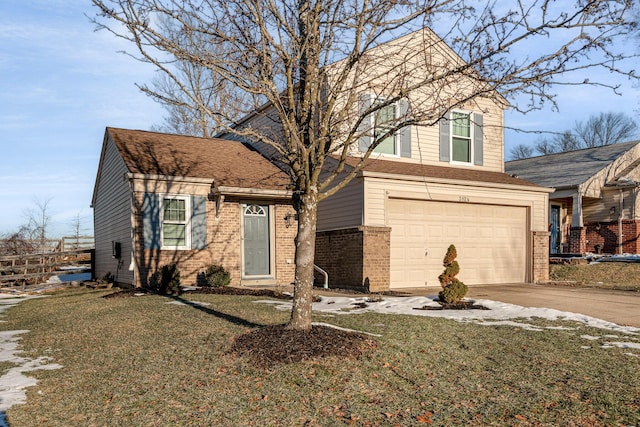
x=620 y=307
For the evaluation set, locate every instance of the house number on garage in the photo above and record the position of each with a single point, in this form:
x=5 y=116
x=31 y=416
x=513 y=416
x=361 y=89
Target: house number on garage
x=464 y=199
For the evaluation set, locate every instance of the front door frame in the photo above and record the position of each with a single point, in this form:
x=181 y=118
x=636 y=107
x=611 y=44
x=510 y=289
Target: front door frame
x=555 y=228
x=271 y=227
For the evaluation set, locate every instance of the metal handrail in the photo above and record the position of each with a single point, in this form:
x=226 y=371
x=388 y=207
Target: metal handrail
x=324 y=273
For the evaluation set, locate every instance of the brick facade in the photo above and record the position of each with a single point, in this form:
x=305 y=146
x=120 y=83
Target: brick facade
x=540 y=265
x=577 y=240
x=223 y=247
x=357 y=257
x=605 y=235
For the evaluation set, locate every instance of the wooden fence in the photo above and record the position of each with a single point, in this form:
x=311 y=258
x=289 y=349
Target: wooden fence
x=18 y=269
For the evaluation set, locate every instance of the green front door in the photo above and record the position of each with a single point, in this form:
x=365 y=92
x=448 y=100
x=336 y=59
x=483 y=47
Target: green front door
x=256 y=240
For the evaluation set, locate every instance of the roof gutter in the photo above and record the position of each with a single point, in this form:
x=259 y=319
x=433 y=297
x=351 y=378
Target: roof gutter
x=215 y=189
x=537 y=188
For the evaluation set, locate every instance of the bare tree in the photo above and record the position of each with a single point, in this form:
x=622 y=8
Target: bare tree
x=606 y=129
x=309 y=61
x=521 y=151
x=77 y=229
x=17 y=243
x=199 y=102
x=38 y=219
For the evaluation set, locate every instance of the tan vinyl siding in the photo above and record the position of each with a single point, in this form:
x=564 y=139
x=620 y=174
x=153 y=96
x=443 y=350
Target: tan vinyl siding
x=343 y=209
x=264 y=122
x=407 y=56
x=377 y=192
x=112 y=216
x=598 y=210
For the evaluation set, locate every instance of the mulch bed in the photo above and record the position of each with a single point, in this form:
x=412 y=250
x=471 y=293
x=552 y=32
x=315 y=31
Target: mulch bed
x=462 y=305
x=275 y=344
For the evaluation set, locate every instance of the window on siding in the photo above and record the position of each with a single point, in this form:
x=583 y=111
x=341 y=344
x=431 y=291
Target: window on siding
x=461 y=137
x=384 y=119
x=175 y=229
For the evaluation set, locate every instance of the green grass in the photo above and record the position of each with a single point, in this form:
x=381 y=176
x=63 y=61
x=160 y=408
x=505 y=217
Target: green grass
x=142 y=362
x=605 y=275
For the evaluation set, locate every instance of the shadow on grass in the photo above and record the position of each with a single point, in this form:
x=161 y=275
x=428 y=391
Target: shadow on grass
x=220 y=315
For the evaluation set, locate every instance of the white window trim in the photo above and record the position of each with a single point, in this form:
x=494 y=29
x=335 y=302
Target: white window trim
x=471 y=138
x=396 y=136
x=187 y=213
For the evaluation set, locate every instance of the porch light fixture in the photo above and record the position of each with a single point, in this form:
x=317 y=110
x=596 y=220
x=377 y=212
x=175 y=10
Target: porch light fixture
x=288 y=219
x=612 y=211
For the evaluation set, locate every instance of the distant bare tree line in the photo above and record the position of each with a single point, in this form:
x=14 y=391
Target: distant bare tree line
x=33 y=235
x=599 y=130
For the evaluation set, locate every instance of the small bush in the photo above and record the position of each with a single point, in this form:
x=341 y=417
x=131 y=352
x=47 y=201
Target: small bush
x=107 y=278
x=166 y=281
x=453 y=293
x=216 y=276
x=453 y=290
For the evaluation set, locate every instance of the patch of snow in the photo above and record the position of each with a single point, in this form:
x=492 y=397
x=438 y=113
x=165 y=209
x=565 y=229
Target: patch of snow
x=497 y=311
x=13 y=383
x=632 y=354
x=586 y=347
x=522 y=325
x=624 y=344
x=190 y=303
x=589 y=337
x=328 y=325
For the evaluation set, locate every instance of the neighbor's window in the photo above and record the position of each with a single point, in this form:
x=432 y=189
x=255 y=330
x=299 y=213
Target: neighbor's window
x=461 y=137
x=174 y=221
x=384 y=120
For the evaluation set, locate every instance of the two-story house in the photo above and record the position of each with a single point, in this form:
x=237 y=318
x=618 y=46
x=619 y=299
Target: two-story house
x=426 y=187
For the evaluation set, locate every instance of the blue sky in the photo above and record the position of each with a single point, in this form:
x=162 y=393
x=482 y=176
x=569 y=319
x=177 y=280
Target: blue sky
x=61 y=84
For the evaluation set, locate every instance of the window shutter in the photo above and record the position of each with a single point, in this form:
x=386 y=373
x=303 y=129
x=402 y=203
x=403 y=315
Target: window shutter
x=405 y=132
x=151 y=221
x=198 y=222
x=477 y=139
x=366 y=126
x=445 y=138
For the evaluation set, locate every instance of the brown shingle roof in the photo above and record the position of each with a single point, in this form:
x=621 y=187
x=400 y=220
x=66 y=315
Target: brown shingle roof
x=440 y=172
x=229 y=163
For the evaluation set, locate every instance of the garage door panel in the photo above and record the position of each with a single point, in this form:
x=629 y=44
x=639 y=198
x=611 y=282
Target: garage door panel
x=490 y=240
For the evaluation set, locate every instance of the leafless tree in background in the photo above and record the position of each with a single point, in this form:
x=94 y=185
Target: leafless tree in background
x=521 y=151
x=38 y=219
x=198 y=101
x=310 y=60
x=606 y=129
x=602 y=129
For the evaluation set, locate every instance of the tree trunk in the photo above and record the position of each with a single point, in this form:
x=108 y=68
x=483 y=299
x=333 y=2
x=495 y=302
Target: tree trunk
x=305 y=252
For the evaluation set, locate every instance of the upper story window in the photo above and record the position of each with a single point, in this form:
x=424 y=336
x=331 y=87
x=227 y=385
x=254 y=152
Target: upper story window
x=461 y=138
x=461 y=147
x=175 y=228
x=378 y=125
x=383 y=124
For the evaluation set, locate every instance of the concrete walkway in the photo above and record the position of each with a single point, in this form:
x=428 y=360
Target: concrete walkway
x=620 y=307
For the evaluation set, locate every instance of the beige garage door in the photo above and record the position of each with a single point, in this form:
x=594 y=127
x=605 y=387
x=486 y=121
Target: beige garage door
x=491 y=242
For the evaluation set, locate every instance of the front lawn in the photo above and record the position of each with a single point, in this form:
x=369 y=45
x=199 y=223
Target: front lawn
x=151 y=361
x=605 y=275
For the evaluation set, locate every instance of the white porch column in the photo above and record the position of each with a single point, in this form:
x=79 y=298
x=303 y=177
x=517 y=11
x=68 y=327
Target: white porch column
x=576 y=217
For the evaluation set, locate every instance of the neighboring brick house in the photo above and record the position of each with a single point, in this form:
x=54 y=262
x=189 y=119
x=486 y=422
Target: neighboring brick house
x=595 y=206
x=427 y=187
x=160 y=199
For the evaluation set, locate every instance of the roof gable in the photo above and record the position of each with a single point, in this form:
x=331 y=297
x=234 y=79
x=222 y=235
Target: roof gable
x=568 y=169
x=229 y=163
